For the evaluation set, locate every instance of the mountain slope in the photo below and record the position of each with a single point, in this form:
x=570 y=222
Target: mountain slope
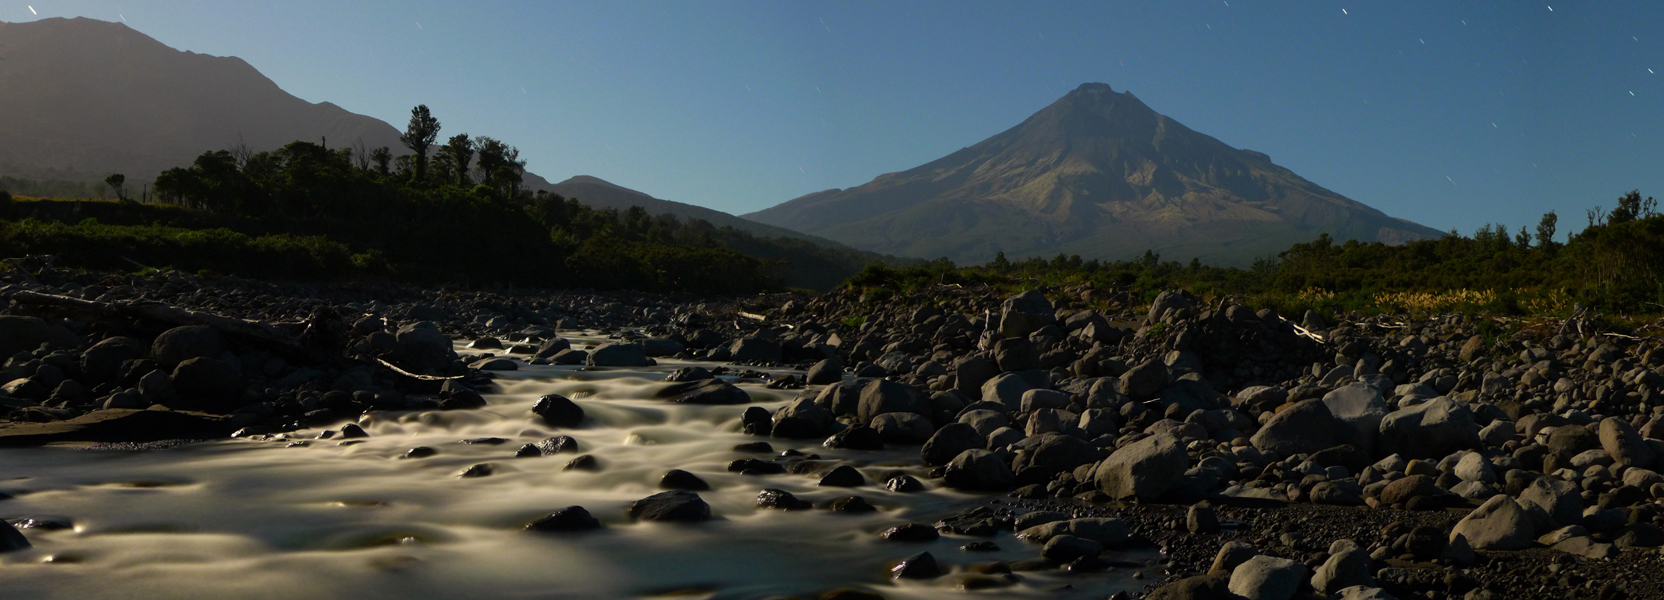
x=1099 y=174
x=85 y=98
x=596 y=192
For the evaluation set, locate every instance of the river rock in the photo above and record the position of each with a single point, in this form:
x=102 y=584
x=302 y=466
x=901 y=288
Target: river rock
x=902 y=428
x=210 y=381
x=421 y=346
x=949 y=441
x=802 y=419
x=1065 y=548
x=704 y=391
x=18 y=334
x=102 y=362
x=677 y=479
x=1145 y=469
x=569 y=519
x=1303 y=428
x=11 y=539
x=182 y=343
x=558 y=411
x=1552 y=502
x=1267 y=578
x=826 y=371
x=917 y=566
x=754 y=350
x=885 y=396
x=1432 y=429
x=1624 y=444
x=617 y=355
x=978 y=469
x=1402 y=490
x=1145 y=380
x=1498 y=524
x=1359 y=407
x=1054 y=453
x=1007 y=389
x=672 y=506
x=1025 y=313
x=1346 y=568
x=1200 y=587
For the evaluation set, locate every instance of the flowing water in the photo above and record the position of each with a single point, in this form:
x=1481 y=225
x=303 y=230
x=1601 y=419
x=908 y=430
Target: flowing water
x=256 y=519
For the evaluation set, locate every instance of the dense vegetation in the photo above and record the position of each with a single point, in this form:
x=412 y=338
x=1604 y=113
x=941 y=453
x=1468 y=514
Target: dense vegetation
x=1616 y=265
x=457 y=216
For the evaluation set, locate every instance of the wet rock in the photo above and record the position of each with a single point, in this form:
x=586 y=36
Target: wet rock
x=477 y=470
x=978 y=470
x=911 y=532
x=11 y=539
x=884 y=396
x=419 y=452
x=582 y=462
x=917 y=566
x=1065 y=548
x=686 y=374
x=843 y=476
x=904 y=484
x=1200 y=587
x=851 y=504
x=704 y=391
x=557 y=444
x=1267 y=578
x=661 y=347
x=617 y=355
x=680 y=506
x=210 y=381
x=558 y=411
x=903 y=428
x=569 y=519
x=801 y=419
x=1499 y=524
x=859 y=437
x=1230 y=555
x=780 y=500
x=497 y=363
x=421 y=347
x=677 y=479
x=1145 y=469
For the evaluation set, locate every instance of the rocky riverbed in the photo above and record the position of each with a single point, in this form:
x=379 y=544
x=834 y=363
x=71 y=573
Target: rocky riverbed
x=1022 y=445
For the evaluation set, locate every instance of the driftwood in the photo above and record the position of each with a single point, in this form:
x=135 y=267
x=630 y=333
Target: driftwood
x=1304 y=332
x=405 y=373
x=753 y=316
x=253 y=331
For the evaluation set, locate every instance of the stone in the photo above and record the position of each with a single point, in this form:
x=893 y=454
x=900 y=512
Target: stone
x=1230 y=555
x=11 y=539
x=1498 y=524
x=1145 y=469
x=18 y=334
x=1402 y=490
x=1145 y=380
x=1200 y=587
x=885 y=396
x=686 y=374
x=1474 y=467
x=704 y=392
x=210 y=380
x=826 y=371
x=677 y=479
x=843 y=476
x=1054 y=453
x=949 y=442
x=672 y=506
x=918 y=566
x=558 y=411
x=1025 y=313
x=1359 y=408
x=1624 y=444
x=978 y=470
x=754 y=350
x=569 y=519
x=421 y=347
x=1432 y=429
x=617 y=355
x=102 y=362
x=1267 y=578
x=1007 y=389
x=1348 y=568
x=1065 y=548
x=1303 y=428
x=1552 y=502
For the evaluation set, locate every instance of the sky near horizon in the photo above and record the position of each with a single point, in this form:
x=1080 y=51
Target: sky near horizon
x=1452 y=114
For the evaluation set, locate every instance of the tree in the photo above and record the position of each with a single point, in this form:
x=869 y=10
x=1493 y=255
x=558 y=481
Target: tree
x=1545 y=230
x=500 y=166
x=117 y=182
x=383 y=158
x=460 y=150
x=419 y=136
x=1630 y=208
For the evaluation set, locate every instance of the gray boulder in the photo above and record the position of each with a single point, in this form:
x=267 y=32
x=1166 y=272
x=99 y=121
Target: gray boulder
x=1432 y=429
x=885 y=396
x=826 y=371
x=1624 y=444
x=949 y=442
x=1025 y=313
x=1303 y=428
x=1267 y=578
x=1006 y=389
x=754 y=349
x=1498 y=524
x=1346 y=568
x=28 y=333
x=102 y=362
x=179 y=344
x=672 y=506
x=1359 y=407
x=1145 y=380
x=704 y=391
x=842 y=398
x=421 y=346
x=1055 y=453
x=1145 y=469
x=902 y=428
x=1552 y=502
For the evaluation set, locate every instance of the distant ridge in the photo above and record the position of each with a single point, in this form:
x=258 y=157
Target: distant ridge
x=1098 y=174
x=600 y=193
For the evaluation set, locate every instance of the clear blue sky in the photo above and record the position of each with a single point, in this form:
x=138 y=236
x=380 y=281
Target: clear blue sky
x=1449 y=113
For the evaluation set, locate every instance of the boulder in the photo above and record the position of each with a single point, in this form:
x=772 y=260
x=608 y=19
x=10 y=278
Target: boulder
x=1303 y=428
x=1498 y=524
x=1624 y=444
x=209 y=380
x=1006 y=389
x=754 y=350
x=1432 y=429
x=179 y=344
x=826 y=371
x=1267 y=578
x=672 y=506
x=1145 y=380
x=1145 y=469
x=1552 y=502
x=902 y=428
x=1025 y=313
x=1346 y=568
x=569 y=519
x=1056 y=453
x=102 y=362
x=558 y=411
x=617 y=355
x=704 y=391
x=1359 y=408
x=885 y=396
x=18 y=334
x=421 y=346
x=978 y=470
x=949 y=442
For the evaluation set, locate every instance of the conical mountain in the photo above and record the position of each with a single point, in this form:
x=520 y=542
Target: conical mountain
x=1098 y=174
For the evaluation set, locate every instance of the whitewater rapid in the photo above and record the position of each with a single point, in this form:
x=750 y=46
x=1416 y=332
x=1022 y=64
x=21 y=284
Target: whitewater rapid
x=313 y=518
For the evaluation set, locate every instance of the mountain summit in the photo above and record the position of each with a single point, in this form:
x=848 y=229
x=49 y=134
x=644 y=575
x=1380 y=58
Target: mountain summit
x=1099 y=174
